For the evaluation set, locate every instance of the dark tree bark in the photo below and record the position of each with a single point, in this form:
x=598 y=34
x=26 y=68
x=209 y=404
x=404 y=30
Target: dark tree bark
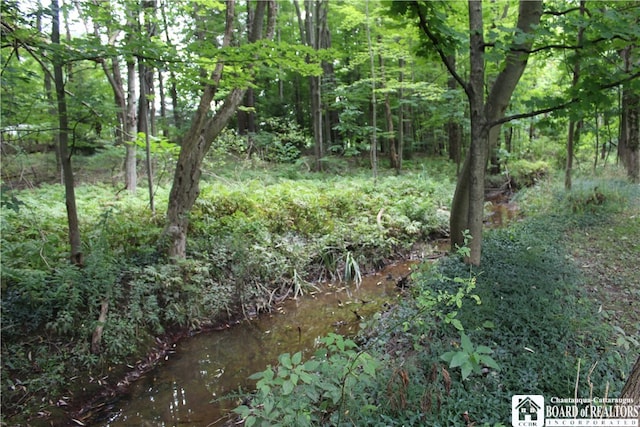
x=574 y=126
x=631 y=389
x=454 y=128
x=394 y=159
x=203 y=131
x=63 y=140
x=313 y=30
x=629 y=138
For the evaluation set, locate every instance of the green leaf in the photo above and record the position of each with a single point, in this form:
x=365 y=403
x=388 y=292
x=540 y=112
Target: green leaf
x=459 y=359
x=256 y=376
x=488 y=324
x=457 y=324
x=466 y=371
x=483 y=349
x=488 y=361
x=287 y=387
x=294 y=378
x=306 y=378
x=448 y=356
x=311 y=365
x=268 y=406
x=243 y=411
x=297 y=358
x=466 y=344
x=285 y=360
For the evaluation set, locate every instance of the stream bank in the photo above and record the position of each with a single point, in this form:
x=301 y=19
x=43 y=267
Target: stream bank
x=199 y=380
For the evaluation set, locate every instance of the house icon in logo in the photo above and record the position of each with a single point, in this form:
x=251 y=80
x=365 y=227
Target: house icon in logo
x=527 y=411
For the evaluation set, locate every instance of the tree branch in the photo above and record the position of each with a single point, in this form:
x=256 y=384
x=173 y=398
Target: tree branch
x=564 y=105
x=437 y=45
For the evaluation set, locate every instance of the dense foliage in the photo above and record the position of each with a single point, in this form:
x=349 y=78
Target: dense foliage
x=530 y=325
x=255 y=240
x=266 y=132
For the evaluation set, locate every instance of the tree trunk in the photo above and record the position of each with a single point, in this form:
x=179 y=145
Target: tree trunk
x=454 y=129
x=374 y=136
x=574 y=126
x=131 y=160
x=394 y=161
x=63 y=140
x=631 y=389
x=629 y=138
x=313 y=21
x=401 y=129
x=468 y=203
x=130 y=132
x=146 y=112
x=172 y=77
x=203 y=131
x=479 y=132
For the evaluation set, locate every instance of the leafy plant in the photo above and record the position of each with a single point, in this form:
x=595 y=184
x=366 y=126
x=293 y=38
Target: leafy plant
x=469 y=358
x=315 y=391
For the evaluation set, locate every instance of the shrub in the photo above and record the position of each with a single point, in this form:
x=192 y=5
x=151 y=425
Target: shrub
x=526 y=173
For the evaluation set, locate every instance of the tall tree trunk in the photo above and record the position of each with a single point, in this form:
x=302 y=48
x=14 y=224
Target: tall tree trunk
x=468 y=202
x=401 y=127
x=130 y=131
x=479 y=147
x=574 y=125
x=629 y=138
x=374 y=118
x=388 y=117
x=131 y=158
x=48 y=91
x=63 y=139
x=124 y=101
x=146 y=112
x=454 y=128
x=313 y=17
x=203 y=131
x=246 y=116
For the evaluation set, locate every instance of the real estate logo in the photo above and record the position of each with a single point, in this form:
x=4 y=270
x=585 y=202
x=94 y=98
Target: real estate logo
x=527 y=410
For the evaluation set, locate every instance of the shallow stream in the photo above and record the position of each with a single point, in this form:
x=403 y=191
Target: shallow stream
x=192 y=387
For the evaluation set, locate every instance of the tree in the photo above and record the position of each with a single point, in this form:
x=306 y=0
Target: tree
x=204 y=129
x=574 y=125
x=104 y=22
x=467 y=209
x=629 y=139
x=63 y=138
x=631 y=389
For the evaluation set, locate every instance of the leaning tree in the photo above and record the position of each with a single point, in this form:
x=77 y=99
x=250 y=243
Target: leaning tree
x=205 y=127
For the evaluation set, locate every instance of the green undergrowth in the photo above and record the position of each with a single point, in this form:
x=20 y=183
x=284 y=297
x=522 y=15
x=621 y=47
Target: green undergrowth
x=466 y=340
x=251 y=242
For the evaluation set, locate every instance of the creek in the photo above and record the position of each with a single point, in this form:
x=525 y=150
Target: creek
x=193 y=386
x=202 y=380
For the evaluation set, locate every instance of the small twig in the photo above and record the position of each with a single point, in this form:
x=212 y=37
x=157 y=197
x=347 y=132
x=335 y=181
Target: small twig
x=589 y=380
x=575 y=391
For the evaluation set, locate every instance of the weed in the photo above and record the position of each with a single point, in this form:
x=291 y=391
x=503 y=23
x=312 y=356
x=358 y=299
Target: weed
x=316 y=391
x=469 y=358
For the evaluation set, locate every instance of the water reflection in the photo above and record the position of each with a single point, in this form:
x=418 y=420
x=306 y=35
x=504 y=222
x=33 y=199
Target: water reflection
x=195 y=386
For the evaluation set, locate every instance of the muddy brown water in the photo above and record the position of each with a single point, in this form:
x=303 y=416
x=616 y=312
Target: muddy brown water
x=193 y=386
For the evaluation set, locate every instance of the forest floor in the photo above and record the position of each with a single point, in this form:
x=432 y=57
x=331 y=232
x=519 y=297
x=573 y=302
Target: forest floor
x=607 y=254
